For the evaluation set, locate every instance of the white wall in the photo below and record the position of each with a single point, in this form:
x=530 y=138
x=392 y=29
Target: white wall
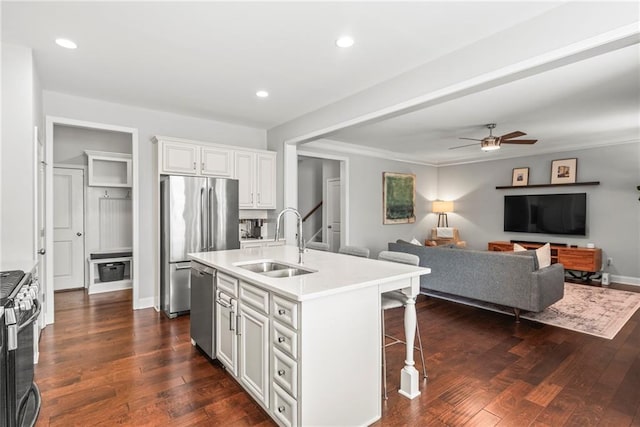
x=150 y=123
x=70 y=142
x=613 y=209
x=20 y=113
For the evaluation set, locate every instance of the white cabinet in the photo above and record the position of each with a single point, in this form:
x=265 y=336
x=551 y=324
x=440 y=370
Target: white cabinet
x=226 y=331
x=216 y=162
x=256 y=173
x=190 y=159
x=254 y=169
x=257 y=243
x=108 y=169
x=254 y=352
x=179 y=158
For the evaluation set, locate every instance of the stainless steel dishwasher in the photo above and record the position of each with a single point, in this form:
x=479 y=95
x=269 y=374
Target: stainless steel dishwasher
x=202 y=308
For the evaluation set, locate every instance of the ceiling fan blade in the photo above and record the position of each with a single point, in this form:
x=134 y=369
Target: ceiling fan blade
x=520 y=141
x=471 y=139
x=512 y=135
x=462 y=146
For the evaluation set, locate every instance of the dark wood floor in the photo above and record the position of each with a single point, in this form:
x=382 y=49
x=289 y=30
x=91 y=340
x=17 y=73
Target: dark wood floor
x=103 y=364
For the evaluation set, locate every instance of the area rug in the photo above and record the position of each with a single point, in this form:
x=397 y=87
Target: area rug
x=591 y=310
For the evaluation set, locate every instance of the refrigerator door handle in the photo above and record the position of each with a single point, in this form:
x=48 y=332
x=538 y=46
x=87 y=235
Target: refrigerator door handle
x=203 y=221
x=210 y=220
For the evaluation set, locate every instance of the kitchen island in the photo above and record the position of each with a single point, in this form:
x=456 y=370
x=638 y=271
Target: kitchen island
x=308 y=347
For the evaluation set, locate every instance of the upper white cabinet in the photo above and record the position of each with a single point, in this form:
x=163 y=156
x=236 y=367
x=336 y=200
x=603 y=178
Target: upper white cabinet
x=107 y=169
x=256 y=172
x=254 y=169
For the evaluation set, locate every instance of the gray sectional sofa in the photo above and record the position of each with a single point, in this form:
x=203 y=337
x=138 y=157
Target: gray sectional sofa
x=504 y=278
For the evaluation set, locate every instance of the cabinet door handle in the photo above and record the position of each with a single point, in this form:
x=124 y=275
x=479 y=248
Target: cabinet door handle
x=202 y=166
x=280 y=408
x=281 y=312
x=281 y=339
x=281 y=372
x=231 y=315
x=238 y=325
x=258 y=197
x=251 y=198
x=194 y=165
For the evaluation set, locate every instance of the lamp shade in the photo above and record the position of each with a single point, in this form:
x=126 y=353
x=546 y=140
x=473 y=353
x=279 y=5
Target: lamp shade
x=440 y=206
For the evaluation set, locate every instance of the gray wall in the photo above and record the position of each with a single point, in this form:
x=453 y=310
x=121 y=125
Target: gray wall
x=310 y=193
x=613 y=209
x=70 y=142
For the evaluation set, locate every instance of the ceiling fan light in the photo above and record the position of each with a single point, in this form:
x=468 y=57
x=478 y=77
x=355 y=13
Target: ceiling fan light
x=490 y=144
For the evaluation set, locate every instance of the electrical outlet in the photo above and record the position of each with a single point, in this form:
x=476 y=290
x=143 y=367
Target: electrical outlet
x=609 y=262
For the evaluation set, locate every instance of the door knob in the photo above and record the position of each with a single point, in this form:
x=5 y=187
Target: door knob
x=78 y=234
x=328 y=226
x=42 y=251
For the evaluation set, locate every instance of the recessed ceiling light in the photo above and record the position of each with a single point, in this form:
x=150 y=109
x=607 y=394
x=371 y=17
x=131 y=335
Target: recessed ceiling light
x=344 y=41
x=66 y=43
x=262 y=94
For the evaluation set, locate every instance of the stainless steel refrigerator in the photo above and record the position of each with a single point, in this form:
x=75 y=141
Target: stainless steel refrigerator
x=196 y=215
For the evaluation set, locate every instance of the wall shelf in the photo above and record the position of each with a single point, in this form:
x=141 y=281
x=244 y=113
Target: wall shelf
x=504 y=187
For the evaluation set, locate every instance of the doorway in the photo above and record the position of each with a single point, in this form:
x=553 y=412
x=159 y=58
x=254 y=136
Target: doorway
x=321 y=197
x=72 y=157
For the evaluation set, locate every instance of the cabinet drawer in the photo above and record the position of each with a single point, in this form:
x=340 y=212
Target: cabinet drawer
x=285 y=339
x=256 y=297
x=227 y=284
x=285 y=408
x=285 y=311
x=575 y=262
x=285 y=372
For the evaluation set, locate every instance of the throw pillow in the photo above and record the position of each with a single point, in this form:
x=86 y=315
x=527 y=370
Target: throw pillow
x=518 y=248
x=416 y=242
x=544 y=256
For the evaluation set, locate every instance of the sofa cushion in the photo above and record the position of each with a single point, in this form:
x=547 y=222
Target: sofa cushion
x=416 y=242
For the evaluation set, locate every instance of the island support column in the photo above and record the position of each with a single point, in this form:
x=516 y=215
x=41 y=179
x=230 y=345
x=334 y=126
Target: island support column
x=409 y=376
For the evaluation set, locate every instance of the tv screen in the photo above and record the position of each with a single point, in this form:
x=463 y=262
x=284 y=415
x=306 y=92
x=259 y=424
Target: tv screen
x=546 y=213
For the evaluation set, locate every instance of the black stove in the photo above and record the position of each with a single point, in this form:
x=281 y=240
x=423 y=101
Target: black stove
x=19 y=311
x=9 y=281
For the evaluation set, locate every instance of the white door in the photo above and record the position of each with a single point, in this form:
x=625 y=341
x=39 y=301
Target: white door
x=333 y=214
x=226 y=337
x=39 y=210
x=180 y=158
x=68 y=229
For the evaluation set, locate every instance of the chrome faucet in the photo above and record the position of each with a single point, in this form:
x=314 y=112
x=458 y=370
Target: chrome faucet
x=300 y=239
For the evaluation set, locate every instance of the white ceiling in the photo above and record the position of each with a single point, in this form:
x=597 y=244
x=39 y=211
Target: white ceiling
x=207 y=59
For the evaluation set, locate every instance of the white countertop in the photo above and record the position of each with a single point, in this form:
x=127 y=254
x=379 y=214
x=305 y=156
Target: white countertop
x=335 y=273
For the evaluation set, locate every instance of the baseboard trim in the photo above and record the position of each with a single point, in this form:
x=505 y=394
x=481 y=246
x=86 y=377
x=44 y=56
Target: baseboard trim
x=99 y=288
x=626 y=280
x=144 y=303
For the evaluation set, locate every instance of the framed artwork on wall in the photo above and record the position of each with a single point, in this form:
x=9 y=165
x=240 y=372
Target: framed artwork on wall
x=398 y=198
x=520 y=177
x=563 y=171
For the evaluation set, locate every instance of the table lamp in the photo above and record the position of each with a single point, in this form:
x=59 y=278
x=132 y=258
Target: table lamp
x=441 y=207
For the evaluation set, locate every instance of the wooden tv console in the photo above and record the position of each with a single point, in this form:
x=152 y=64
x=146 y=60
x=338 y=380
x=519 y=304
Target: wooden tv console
x=580 y=259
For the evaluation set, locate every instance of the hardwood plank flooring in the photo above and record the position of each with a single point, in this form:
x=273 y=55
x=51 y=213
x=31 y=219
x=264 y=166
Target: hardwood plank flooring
x=102 y=363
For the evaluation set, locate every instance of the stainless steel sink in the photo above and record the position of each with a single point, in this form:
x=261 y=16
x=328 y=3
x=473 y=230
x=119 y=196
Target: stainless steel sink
x=275 y=268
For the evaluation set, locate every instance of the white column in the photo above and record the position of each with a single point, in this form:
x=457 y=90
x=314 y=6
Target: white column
x=409 y=374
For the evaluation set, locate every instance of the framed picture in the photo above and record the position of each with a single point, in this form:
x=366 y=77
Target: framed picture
x=563 y=171
x=398 y=198
x=520 y=177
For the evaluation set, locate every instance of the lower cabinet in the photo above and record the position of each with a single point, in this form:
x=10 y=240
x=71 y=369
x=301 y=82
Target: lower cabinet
x=226 y=331
x=254 y=352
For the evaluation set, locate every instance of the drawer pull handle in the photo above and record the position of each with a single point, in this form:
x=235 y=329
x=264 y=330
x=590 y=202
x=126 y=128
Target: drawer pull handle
x=281 y=372
x=280 y=408
x=282 y=312
x=280 y=339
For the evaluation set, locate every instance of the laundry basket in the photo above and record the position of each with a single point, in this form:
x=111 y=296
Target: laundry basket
x=111 y=271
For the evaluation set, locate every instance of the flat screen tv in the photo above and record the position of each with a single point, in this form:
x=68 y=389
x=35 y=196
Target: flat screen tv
x=546 y=213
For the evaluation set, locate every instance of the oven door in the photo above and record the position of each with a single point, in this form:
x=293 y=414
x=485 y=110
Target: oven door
x=27 y=394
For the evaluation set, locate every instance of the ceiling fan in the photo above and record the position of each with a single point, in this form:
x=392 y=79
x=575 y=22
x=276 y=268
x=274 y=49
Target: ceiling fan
x=491 y=142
